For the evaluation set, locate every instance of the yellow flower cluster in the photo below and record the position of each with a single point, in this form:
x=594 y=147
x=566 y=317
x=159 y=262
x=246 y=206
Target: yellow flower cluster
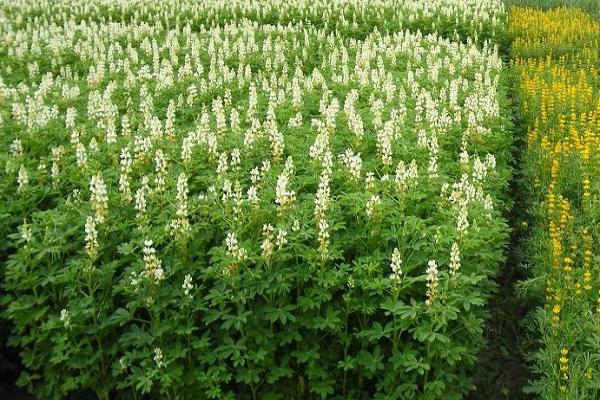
x=555 y=55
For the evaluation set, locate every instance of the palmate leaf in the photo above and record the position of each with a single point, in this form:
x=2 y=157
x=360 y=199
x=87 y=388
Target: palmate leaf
x=321 y=387
x=330 y=321
x=370 y=361
x=411 y=363
x=280 y=371
x=376 y=332
x=304 y=356
x=282 y=314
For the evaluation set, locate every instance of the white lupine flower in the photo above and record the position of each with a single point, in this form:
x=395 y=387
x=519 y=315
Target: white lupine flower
x=353 y=163
x=54 y=172
x=284 y=198
x=373 y=202
x=281 y=238
x=188 y=146
x=267 y=246
x=479 y=169
x=99 y=197
x=488 y=205
x=75 y=138
x=404 y=175
x=396 y=265
x=234 y=120
x=432 y=281
x=233 y=248
x=65 y=318
x=153 y=270
x=252 y=134
x=370 y=180
x=296 y=226
x=235 y=159
x=158 y=357
x=124 y=184
x=323 y=238
x=454 y=258
x=170 y=121
x=160 y=167
x=81 y=155
x=192 y=93
x=432 y=168
x=141 y=147
x=219 y=113
x=252 y=195
x=91 y=237
x=356 y=125
x=296 y=120
x=180 y=226
x=422 y=138
x=70 y=116
x=111 y=133
x=140 y=197
x=16 y=148
x=22 y=179
x=93 y=145
x=276 y=138
x=385 y=136
x=125 y=127
x=321 y=143
x=187 y=286
x=322 y=196
x=376 y=111
x=25 y=232
x=462 y=222
x=222 y=165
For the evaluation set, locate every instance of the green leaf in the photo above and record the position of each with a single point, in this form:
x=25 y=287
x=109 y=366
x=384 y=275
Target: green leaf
x=281 y=314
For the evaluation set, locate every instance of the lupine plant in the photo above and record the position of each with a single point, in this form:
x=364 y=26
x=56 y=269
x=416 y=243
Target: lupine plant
x=219 y=200
x=556 y=58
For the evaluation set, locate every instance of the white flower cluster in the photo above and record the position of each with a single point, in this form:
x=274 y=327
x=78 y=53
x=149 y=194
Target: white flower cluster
x=158 y=357
x=396 y=265
x=432 y=281
x=233 y=248
x=180 y=226
x=99 y=198
x=187 y=286
x=353 y=163
x=65 y=317
x=454 y=258
x=372 y=203
x=153 y=271
x=284 y=197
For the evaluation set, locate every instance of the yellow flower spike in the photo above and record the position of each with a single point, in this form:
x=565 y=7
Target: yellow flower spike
x=556 y=309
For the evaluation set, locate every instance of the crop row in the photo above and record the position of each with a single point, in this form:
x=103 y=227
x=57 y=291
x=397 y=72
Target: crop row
x=556 y=58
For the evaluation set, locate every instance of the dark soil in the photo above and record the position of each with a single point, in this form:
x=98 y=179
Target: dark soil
x=502 y=370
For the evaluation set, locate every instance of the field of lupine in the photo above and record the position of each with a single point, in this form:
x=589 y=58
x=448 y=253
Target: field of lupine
x=294 y=199
x=555 y=54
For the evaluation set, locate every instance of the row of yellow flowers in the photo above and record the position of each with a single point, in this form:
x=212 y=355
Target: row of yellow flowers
x=556 y=58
